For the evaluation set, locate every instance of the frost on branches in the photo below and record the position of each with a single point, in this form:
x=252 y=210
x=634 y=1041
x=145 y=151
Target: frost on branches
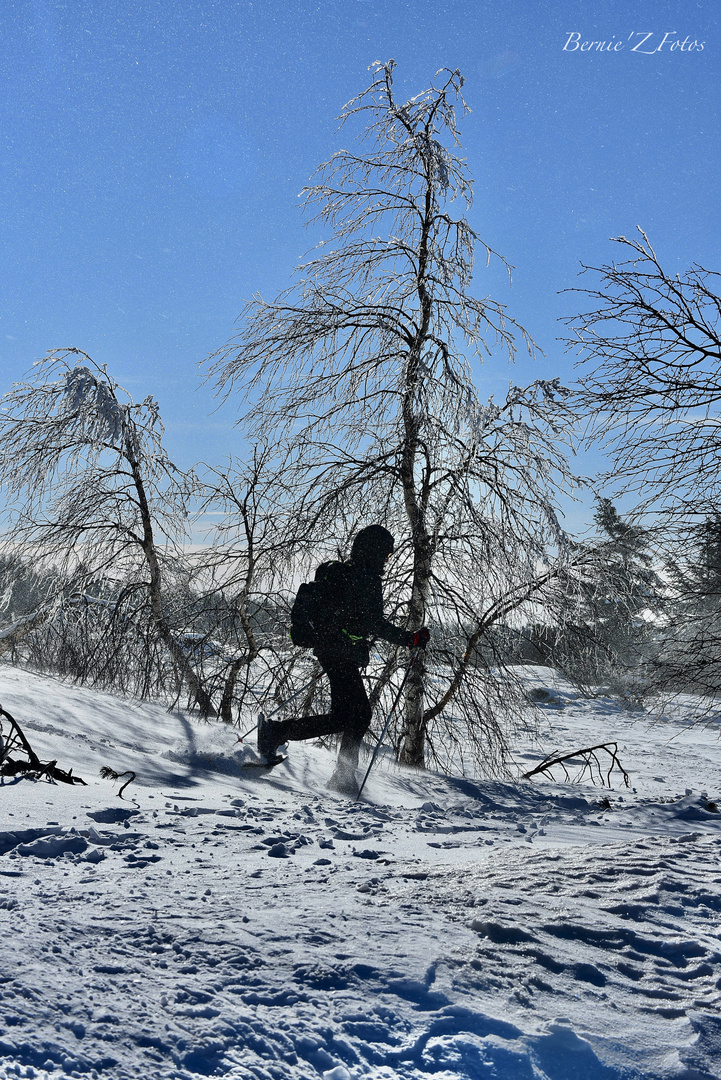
x=362 y=375
x=99 y=508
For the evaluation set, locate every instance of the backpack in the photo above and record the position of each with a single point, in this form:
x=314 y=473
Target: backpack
x=318 y=610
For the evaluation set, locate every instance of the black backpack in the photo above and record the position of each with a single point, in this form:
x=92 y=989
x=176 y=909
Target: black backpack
x=317 y=614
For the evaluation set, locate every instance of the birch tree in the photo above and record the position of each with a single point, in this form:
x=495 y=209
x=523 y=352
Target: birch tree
x=364 y=367
x=255 y=534
x=93 y=495
x=650 y=343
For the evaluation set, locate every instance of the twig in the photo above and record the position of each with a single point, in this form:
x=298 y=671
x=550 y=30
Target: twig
x=110 y=774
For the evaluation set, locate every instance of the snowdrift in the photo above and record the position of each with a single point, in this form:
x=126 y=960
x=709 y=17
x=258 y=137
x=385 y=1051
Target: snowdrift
x=219 y=921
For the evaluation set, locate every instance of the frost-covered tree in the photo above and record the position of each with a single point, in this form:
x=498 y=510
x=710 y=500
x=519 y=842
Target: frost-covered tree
x=608 y=604
x=689 y=653
x=93 y=497
x=28 y=598
x=651 y=349
x=703 y=570
x=255 y=535
x=650 y=343
x=364 y=367
x=626 y=586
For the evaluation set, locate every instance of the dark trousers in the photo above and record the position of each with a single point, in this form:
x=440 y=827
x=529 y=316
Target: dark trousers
x=350 y=710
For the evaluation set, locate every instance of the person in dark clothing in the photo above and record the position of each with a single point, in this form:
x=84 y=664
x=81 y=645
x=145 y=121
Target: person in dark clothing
x=343 y=649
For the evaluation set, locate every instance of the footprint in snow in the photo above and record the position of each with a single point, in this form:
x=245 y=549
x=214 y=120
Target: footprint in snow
x=112 y=815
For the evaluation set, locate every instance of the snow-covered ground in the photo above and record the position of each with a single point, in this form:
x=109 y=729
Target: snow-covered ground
x=250 y=924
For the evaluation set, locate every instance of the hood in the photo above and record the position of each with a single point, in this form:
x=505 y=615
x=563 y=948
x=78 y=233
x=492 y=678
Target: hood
x=371 y=546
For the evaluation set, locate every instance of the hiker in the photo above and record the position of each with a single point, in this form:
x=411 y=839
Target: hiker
x=352 y=612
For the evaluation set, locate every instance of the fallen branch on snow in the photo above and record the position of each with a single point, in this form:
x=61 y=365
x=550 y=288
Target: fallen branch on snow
x=110 y=774
x=588 y=761
x=13 y=740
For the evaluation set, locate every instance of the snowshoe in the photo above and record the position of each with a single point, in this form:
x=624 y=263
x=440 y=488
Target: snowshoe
x=269 y=763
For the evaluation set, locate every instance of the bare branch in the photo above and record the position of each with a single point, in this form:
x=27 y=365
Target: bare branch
x=590 y=764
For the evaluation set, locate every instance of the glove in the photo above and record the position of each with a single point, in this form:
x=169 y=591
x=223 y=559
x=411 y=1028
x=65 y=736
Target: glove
x=421 y=638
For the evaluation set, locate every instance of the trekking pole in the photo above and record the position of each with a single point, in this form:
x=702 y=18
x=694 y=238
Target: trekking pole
x=390 y=717
x=281 y=706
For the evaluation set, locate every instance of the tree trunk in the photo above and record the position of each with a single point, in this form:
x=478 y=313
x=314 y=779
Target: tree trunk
x=413 y=750
x=414 y=730
x=197 y=690
x=226 y=701
x=416 y=503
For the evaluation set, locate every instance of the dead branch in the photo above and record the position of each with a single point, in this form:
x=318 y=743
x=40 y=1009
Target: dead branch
x=591 y=764
x=15 y=740
x=110 y=774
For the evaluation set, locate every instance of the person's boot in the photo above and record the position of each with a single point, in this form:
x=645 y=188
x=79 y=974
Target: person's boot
x=268 y=738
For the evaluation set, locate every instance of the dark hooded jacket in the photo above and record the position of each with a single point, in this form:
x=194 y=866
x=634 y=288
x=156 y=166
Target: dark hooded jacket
x=361 y=612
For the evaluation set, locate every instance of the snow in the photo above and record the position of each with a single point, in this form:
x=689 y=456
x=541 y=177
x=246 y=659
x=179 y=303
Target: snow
x=219 y=921
x=94 y=401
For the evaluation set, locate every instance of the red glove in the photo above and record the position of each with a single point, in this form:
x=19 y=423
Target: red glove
x=421 y=638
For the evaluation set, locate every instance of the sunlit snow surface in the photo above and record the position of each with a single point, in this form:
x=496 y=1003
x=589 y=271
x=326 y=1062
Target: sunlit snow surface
x=245 y=924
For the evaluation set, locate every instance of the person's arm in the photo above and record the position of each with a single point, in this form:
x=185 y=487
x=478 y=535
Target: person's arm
x=388 y=631
x=382 y=627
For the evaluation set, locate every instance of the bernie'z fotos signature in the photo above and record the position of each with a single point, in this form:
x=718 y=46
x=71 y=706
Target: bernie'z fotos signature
x=643 y=43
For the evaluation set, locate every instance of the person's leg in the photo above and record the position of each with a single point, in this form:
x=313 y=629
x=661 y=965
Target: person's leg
x=350 y=711
x=273 y=733
x=306 y=727
x=350 y=703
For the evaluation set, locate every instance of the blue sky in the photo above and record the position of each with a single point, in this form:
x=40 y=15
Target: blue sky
x=151 y=156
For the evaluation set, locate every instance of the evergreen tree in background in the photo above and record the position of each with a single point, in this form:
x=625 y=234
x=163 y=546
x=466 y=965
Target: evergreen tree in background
x=707 y=571
x=627 y=585
x=607 y=607
x=690 y=654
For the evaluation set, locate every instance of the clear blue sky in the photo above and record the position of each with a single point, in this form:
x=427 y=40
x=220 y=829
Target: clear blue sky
x=151 y=156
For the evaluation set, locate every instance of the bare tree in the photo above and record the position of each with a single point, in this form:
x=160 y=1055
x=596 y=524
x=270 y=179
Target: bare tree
x=94 y=496
x=652 y=342
x=364 y=368
x=243 y=574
